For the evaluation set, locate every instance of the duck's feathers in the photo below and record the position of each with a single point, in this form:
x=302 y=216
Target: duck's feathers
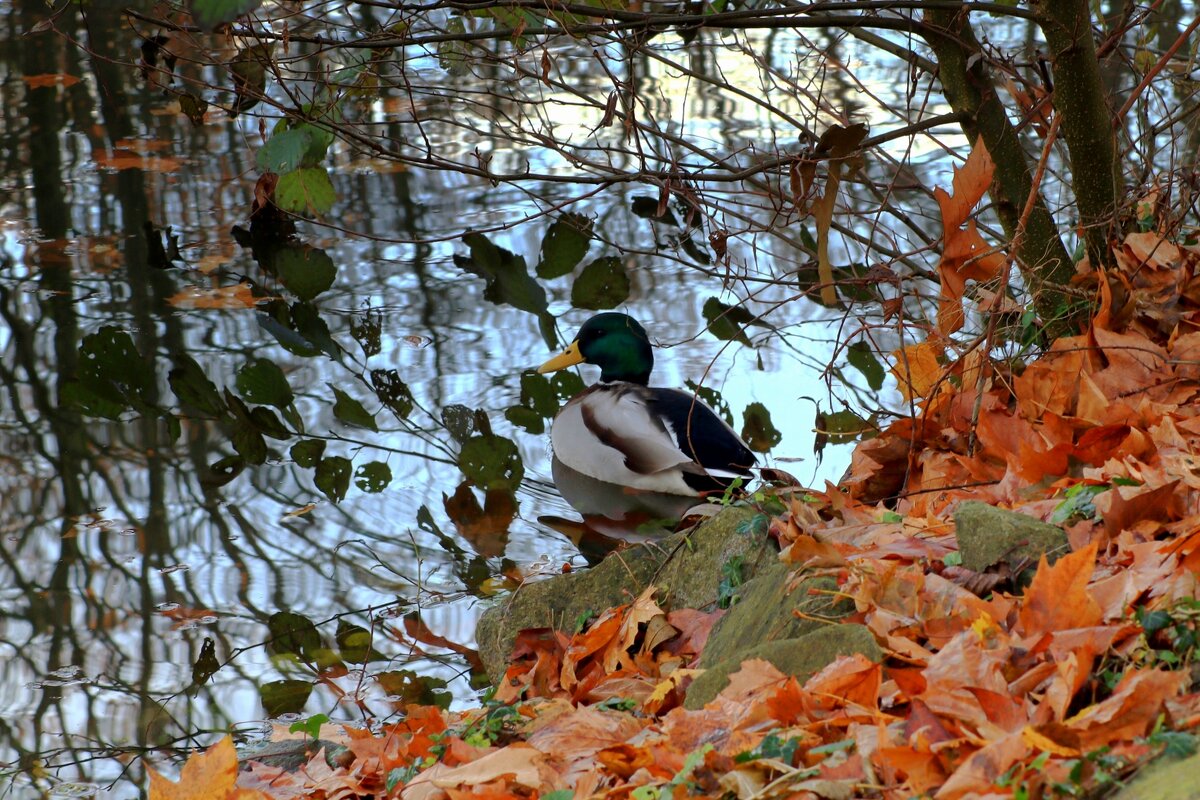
x=660 y=440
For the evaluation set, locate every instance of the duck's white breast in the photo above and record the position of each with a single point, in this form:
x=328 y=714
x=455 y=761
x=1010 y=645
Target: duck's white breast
x=609 y=434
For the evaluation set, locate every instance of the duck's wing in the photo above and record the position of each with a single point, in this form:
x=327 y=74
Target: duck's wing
x=700 y=434
x=622 y=417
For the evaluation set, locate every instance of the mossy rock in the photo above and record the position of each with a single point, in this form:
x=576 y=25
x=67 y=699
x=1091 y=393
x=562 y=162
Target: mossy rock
x=685 y=567
x=765 y=612
x=801 y=657
x=1165 y=778
x=988 y=536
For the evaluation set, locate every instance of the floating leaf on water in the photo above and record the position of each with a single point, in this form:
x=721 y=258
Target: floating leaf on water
x=194 y=108
x=333 y=477
x=491 y=462
x=307 y=453
x=603 y=284
x=647 y=207
x=249 y=70
x=354 y=643
x=238 y=296
x=565 y=244
x=757 y=430
x=862 y=358
x=268 y=423
x=350 y=411
x=373 y=477
x=262 y=381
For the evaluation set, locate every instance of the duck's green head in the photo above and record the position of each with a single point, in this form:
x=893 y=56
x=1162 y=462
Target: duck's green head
x=614 y=342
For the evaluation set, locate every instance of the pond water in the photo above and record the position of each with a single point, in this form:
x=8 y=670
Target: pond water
x=145 y=568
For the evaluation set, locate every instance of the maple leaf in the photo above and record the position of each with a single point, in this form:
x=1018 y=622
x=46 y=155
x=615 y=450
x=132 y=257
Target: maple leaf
x=965 y=255
x=1058 y=598
x=210 y=775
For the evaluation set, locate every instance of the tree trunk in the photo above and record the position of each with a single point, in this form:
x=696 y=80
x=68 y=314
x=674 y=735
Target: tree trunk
x=1087 y=123
x=962 y=68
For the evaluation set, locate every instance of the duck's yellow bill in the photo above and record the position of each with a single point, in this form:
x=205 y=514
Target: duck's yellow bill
x=569 y=358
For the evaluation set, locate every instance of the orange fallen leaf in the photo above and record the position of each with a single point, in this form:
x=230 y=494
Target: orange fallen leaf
x=238 y=296
x=1058 y=598
x=205 y=776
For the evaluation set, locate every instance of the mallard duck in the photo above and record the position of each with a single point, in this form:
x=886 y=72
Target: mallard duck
x=625 y=432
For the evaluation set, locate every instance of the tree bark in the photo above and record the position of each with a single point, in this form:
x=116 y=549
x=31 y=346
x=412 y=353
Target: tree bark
x=962 y=68
x=1087 y=124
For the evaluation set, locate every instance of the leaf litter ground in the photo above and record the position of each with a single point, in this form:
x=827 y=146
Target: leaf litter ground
x=1060 y=688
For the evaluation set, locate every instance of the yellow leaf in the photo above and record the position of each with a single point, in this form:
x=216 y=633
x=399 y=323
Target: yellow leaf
x=917 y=369
x=206 y=776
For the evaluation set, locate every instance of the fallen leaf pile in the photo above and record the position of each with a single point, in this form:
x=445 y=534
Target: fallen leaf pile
x=987 y=689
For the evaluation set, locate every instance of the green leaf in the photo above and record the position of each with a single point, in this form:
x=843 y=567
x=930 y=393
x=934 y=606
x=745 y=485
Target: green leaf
x=565 y=244
x=863 y=359
x=249 y=69
x=263 y=382
x=87 y=401
x=726 y=322
x=305 y=271
x=307 y=191
x=208 y=14
x=757 y=430
x=112 y=369
x=311 y=726
x=248 y=441
x=491 y=462
x=268 y=423
x=508 y=281
x=307 y=453
x=602 y=284
x=459 y=421
x=193 y=388
x=841 y=427
x=293 y=146
x=333 y=477
x=354 y=644
x=711 y=398
x=284 y=696
x=293 y=634
x=373 y=477
x=452 y=53
x=415 y=689
x=350 y=411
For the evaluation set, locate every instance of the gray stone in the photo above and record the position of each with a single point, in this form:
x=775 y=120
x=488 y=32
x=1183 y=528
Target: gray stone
x=802 y=658
x=988 y=536
x=686 y=567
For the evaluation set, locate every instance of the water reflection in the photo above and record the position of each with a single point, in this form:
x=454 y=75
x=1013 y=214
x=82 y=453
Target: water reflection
x=198 y=442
